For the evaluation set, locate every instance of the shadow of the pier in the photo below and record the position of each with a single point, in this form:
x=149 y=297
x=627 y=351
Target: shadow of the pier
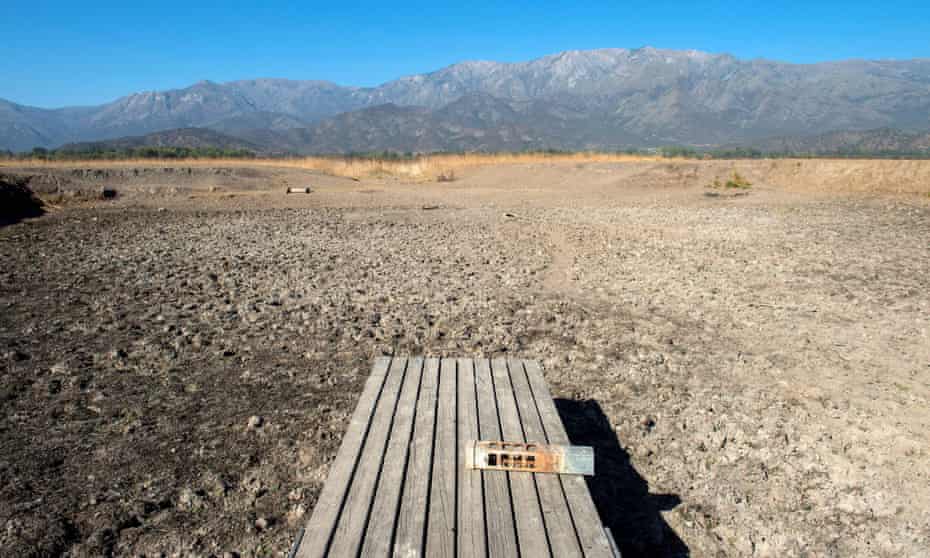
x=620 y=493
x=17 y=202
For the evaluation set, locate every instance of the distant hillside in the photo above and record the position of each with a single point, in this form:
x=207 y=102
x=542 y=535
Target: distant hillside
x=875 y=142
x=473 y=123
x=193 y=138
x=597 y=99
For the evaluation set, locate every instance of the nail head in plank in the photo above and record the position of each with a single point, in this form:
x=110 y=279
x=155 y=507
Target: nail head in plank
x=326 y=512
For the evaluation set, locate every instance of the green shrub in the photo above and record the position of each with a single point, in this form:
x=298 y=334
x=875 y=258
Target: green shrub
x=737 y=181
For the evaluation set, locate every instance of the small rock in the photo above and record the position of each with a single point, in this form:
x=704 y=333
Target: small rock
x=296 y=514
x=255 y=421
x=306 y=455
x=101 y=538
x=190 y=499
x=263 y=523
x=216 y=487
x=116 y=354
x=19 y=356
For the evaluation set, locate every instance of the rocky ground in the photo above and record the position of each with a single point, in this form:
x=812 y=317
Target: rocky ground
x=178 y=364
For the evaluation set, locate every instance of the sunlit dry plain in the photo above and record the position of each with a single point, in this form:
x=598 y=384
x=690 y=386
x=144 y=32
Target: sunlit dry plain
x=750 y=363
x=419 y=168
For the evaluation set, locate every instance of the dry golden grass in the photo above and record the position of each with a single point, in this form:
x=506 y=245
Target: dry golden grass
x=426 y=167
x=834 y=175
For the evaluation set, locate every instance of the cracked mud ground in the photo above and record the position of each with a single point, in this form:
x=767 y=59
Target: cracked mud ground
x=177 y=369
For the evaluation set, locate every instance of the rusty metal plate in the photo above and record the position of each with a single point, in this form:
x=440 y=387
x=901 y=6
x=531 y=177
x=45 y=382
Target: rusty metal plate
x=531 y=458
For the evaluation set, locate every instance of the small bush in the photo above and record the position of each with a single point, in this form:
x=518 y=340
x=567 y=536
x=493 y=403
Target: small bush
x=737 y=181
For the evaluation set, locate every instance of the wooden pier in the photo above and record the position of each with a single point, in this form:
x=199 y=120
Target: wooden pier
x=399 y=487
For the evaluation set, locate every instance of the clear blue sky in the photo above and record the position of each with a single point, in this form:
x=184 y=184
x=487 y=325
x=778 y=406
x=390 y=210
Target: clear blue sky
x=70 y=53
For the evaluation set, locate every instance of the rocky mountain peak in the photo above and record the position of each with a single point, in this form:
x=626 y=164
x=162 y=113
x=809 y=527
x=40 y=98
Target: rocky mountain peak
x=578 y=98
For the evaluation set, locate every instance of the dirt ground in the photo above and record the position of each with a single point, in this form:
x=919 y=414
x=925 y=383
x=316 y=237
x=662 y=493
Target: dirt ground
x=178 y=364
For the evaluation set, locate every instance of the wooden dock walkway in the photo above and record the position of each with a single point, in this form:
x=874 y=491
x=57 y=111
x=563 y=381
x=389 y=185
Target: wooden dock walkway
x=399 y=487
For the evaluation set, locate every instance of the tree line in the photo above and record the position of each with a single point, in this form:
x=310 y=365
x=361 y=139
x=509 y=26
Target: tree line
x=671 y=152
x=753 y=153
x=148 y=152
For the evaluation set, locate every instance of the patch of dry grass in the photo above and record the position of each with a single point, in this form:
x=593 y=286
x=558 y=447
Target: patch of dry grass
x=735 y=181
x=423 y=168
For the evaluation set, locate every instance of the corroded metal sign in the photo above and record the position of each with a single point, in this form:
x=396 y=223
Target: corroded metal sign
x=531 y=458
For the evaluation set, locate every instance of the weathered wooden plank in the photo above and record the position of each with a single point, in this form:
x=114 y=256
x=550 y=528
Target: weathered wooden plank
x=384 y=510
x=325 y=516
x=559 y=527
x=355 y=514
x=411 y=522
x=471 y=531
x=584 y=515
x=498 y=510
x=440 y=536
x=399 y=474
x=531 y=531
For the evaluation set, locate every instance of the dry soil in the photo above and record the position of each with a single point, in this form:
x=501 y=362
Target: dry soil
x=178 y=364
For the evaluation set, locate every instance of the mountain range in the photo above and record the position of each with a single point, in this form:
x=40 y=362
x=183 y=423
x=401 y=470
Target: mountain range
x=595 y=99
